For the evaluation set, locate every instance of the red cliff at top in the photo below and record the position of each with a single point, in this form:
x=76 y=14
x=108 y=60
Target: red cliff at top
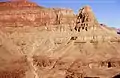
x=17 y=4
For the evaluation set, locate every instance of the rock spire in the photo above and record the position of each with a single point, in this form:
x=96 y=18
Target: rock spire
x=86 y=19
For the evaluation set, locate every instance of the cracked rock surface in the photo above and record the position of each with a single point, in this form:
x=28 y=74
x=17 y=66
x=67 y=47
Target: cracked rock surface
x=82 y=48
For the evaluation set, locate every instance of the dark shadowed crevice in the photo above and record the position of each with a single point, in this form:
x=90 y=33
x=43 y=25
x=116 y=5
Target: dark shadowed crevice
x=117 y=76
x=73 y=38
x=118 y=32
x=91 y=77
x=109 y=64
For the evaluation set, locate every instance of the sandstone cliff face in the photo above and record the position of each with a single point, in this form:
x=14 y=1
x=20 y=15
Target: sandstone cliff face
x=89 y=28
x=37 y=52
x=28 y=17
x=29 y=14
x=86 y=19
x=17 y=4
x=65 y=16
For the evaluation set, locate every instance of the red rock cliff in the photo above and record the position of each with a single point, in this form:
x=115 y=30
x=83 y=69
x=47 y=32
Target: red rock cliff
x=86 y=19
x=29 y=16
x=17 y=4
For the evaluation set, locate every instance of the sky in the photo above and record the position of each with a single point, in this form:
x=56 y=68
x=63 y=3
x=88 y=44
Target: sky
x=106 y=11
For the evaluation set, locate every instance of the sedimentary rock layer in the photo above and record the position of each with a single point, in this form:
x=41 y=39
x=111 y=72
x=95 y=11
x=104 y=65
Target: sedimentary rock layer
x=30 y=14
x=86 y=19
x=90 y=50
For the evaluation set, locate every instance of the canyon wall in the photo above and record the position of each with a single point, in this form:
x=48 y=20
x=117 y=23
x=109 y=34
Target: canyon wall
x=29 y=14
x=28 y=49
x=17 y=4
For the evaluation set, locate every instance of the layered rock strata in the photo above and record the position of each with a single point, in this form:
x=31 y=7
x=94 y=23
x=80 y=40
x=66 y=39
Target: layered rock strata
x=92 y=51
x=17 y=4
x=86 y=19
x=90 y=29
x=30 y=14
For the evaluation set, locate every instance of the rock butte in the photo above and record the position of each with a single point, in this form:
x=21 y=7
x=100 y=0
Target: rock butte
x=86 y=19
x=39 y=42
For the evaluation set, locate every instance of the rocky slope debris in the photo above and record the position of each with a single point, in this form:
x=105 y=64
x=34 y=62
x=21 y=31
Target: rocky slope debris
x=56 y=43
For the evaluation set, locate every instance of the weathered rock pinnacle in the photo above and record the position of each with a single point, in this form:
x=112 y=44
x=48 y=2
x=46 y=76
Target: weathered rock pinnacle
x=86 y=19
